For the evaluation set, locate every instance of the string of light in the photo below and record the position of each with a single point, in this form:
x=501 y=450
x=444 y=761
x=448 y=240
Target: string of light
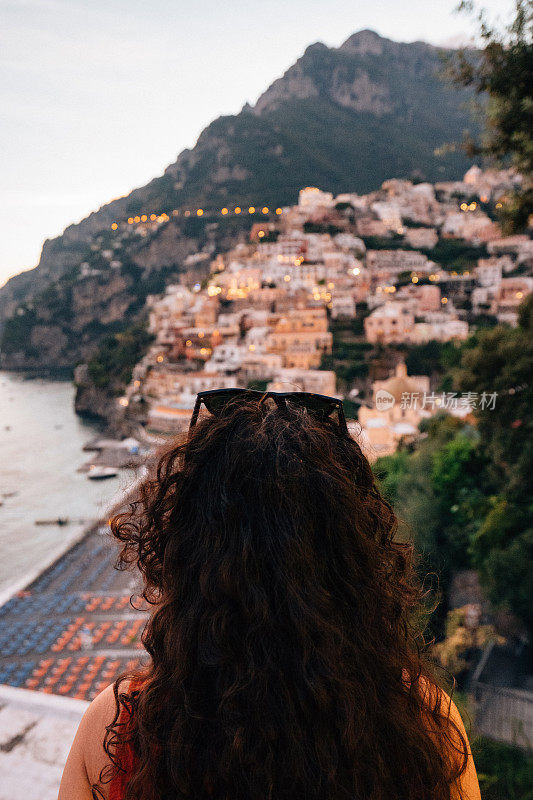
x=140 y=219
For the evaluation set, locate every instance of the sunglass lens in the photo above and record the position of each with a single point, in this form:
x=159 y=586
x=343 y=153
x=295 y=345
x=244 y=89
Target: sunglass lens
x=317 y=406
x=216 y=403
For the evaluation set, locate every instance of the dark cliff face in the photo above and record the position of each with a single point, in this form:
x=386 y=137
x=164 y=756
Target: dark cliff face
x=344 y=119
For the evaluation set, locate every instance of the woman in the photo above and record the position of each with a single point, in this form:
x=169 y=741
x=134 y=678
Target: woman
x=285 y=661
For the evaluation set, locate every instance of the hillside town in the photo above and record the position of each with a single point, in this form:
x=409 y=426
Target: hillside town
x=351 y=217
x=263 y=314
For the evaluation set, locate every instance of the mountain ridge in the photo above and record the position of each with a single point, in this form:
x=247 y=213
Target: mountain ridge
x=343 y=118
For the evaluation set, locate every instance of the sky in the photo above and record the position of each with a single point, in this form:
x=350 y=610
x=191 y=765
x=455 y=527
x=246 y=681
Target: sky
x=99 y=96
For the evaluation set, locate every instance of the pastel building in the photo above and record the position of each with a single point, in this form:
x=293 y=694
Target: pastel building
x=508 y=297
x=300 y=337
x=392 y=417
x=304 y=380
x=389 y=323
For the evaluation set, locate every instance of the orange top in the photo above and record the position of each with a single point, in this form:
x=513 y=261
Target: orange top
x=126 y=754
x=117 y=787
x=467 y=788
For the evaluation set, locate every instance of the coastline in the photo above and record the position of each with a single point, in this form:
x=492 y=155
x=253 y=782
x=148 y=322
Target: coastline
x=73 y=624
x=68 y=544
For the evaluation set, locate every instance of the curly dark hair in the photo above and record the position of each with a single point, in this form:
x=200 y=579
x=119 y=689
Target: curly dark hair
x=286 y=660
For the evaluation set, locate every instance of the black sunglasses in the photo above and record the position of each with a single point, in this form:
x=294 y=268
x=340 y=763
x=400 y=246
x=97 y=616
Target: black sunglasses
x=318 y=405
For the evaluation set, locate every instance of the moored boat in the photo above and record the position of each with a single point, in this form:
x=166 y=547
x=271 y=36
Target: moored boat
x=97 y=473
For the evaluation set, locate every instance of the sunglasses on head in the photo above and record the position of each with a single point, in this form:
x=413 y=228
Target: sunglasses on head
x=318 y=405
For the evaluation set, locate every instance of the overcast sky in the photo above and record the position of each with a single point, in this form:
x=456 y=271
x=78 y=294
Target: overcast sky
x=98 y=96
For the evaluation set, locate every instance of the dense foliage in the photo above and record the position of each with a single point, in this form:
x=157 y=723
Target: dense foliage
x=504 y=772
x=117 y=354
x=465 y=491
x=502 y=548
x=504 y=74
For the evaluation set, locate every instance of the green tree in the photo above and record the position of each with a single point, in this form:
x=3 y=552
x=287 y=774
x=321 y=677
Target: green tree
x=503 y=74
x=502 y=547
x=457 y=469
x=422 y=486
x=502 y=363
x=464 y=493
x=504 y=772
x=112 y=365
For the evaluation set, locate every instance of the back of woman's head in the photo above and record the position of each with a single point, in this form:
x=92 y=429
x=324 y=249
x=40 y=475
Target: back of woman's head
x=284 y=661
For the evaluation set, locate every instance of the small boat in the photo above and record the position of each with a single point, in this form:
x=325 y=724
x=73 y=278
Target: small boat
x=56 y=521
x=101 y=473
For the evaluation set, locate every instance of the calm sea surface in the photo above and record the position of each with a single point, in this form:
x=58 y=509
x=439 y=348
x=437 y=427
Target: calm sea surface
x=41 y=442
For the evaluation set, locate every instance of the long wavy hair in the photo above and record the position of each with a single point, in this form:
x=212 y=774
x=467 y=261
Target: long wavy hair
x=286 y=659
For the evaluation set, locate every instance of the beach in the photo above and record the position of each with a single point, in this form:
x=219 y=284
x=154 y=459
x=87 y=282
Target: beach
x=66 y=623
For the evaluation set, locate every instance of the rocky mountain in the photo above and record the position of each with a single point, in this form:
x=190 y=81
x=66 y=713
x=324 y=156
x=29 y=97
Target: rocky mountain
x=344 y=119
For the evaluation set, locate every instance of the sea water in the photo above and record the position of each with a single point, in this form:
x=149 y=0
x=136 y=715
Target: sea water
x=41 y=441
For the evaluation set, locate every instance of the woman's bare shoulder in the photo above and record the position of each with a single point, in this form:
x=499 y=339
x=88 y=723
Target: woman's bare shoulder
x=87 y=756
x=467 y=786
x=99 y=715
